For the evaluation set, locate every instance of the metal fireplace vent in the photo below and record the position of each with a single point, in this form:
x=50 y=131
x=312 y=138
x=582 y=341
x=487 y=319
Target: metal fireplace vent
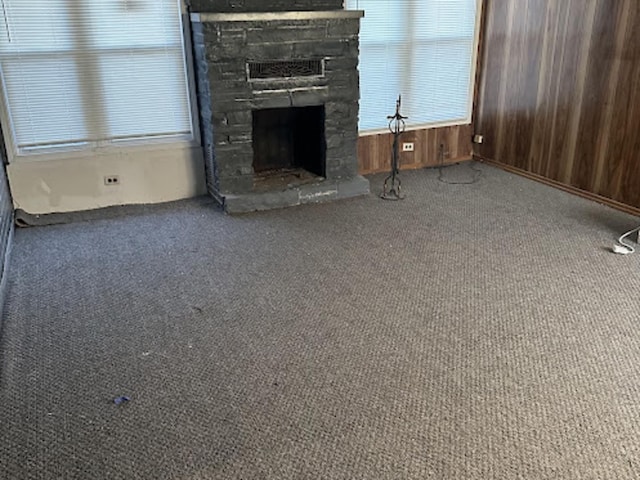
x=285 y=69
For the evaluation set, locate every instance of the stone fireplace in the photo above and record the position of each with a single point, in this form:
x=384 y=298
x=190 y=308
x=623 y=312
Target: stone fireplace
x=278 y=91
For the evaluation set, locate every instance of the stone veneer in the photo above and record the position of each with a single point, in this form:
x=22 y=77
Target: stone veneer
x=224 y=43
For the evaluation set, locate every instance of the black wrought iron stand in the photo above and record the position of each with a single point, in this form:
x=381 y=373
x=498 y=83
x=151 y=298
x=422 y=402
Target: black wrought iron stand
x=392 y=184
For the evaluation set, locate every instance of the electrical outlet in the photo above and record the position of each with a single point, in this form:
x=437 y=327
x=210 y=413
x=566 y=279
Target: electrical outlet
x=478 y=139
x=111 y=180
x=408 y=147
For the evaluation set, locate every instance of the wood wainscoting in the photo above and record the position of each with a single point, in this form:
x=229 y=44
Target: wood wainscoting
x=559 y=93
x=374 y=151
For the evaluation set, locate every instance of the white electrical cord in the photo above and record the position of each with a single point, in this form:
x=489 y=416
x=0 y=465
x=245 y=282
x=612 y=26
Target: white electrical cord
x=622 y=247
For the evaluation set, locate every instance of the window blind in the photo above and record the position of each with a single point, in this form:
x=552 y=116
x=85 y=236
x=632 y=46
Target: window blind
x=421 y=49
x=92 y=72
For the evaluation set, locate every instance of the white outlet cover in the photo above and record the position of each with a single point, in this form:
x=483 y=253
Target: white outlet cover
x=408 y=147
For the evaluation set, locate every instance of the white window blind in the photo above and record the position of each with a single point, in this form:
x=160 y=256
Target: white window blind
x=422 y=49
x=87 y=73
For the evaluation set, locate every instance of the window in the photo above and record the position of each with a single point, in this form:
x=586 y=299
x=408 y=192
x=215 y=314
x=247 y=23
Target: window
x=421 y=49
x=92 y=73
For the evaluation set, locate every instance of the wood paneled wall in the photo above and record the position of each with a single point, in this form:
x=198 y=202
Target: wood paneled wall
x=559 y=92
x=375 y=151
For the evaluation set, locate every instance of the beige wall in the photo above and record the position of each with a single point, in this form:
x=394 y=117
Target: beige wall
x=77 y=183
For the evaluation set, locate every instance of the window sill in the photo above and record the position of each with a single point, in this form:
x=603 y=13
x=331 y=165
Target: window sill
x=124 y=149
x=424 y=126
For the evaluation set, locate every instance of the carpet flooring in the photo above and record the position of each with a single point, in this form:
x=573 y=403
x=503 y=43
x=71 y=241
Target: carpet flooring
x=469 y=332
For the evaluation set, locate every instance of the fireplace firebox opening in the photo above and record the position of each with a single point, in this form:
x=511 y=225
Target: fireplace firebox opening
x=289 y=141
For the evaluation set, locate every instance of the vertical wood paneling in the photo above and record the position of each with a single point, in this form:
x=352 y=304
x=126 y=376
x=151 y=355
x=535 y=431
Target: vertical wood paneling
x=375 y=151
x=560 y=92
x=621 y=164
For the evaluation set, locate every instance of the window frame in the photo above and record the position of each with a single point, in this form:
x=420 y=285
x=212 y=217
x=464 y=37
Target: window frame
x=114 y=146
x=468 y=120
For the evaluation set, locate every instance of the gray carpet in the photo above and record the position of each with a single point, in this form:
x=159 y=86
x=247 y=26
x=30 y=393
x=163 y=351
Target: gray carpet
x=469 y=332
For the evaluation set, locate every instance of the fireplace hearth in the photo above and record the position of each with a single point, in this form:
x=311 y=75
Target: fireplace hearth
x=278 y=91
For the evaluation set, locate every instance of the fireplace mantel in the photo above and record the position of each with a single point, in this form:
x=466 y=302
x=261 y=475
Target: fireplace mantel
x=276 y=16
